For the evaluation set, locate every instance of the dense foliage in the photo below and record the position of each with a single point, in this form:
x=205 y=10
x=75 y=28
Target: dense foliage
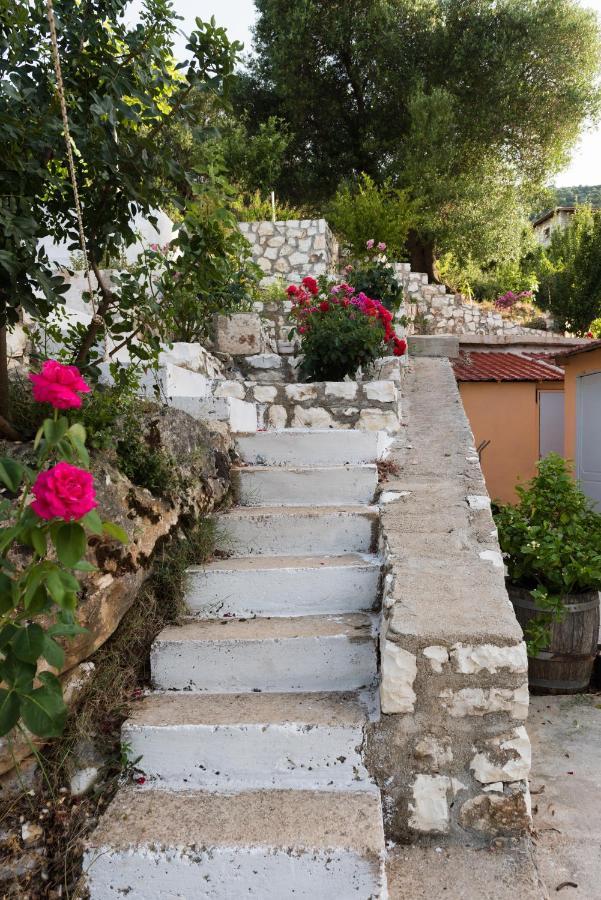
x=340 y=329
x=362 y=208
x=569 y=272
x=551 y=541
x=468 y=105
x=126 y=98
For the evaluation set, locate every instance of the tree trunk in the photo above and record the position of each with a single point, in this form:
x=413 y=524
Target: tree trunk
x=421 y=254
x=4 y=398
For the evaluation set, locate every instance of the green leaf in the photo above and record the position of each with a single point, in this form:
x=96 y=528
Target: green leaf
x=7 y=599
x=64 y=629
x=116 y=532
x=77 y=431
x=71 y=543
x=28 y=643
x=54 y=431
x=53 y=652
x=55 y=587
x=81 y=450
x=11 y=474
x=39 y=541
x=10 y=707
x=43 y=710
x=92 y=522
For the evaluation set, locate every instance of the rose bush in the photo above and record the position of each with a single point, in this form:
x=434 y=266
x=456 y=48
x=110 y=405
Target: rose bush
x=374 y=275
x=46 y=513
x=341 y=329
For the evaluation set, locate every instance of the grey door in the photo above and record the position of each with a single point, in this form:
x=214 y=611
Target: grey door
x=588 y=435
x=551 y=422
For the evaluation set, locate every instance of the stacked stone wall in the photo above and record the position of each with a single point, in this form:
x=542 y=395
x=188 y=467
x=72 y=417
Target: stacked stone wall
x=451 y=752
x=439 y=312
x=292 y=249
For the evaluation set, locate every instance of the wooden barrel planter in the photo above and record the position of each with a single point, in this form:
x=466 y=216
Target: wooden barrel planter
x=566 y=666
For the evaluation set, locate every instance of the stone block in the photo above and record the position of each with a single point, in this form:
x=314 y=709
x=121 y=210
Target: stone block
x=397 y=676
x=277 y=417
x=437 y=656
x=239 y=334
x=345 y=390
x=429 y=812
x=265 y=393
x=483 y=701
x=468 y=660
x=316 y=417
x=264 y=361
x=433 y=345
x=381 y=391
x=378 y=420
x=433 y=753
x=510 y=762
x=505 y=814
x=301 y=392
x=230 y=389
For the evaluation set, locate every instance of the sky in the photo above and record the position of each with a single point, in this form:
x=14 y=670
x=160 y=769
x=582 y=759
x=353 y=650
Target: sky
x=238 y=17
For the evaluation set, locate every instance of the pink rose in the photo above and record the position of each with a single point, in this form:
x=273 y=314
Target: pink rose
x=370 y=244
x=382 y=246
x=63 y=492
x=58 y=385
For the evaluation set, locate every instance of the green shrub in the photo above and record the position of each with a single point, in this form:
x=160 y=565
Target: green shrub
x=552 y=542
x=362 y=209
x=338 y=343
x=257 y=208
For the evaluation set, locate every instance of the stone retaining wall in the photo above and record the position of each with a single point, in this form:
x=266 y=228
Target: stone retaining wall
x=292 y=249
x=444 y=313
x=450 y=752
x=369 y=405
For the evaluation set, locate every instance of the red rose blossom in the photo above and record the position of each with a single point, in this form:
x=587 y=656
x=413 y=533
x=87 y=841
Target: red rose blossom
x=311 y=285
x=58 y=385
x=324 y=306
x=63 y=492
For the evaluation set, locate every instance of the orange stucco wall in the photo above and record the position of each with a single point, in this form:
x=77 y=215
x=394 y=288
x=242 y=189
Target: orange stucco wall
x=506 y=414
x=582 y=364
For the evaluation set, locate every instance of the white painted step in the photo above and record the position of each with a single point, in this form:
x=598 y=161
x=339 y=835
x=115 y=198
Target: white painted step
x=313 y=447
x=300 y=530
x=249 y=741
x=270 y=845
x=240 y=415
x=320 y=486
x=284 y=586
x=235 y=656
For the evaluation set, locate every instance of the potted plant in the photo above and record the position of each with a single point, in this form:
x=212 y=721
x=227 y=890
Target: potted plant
x=341 y=330
x=551 y=541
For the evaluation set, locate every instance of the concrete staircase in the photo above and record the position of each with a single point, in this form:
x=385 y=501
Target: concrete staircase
x=251 y=744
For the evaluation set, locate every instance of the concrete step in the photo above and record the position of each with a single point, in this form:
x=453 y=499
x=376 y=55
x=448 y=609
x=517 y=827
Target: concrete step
x=300 y=530
x=320 y=486
x=240 y=415
x=272 y=845
x=235 y=656
x=249 y=741
x=312 y=447
x=284 y=586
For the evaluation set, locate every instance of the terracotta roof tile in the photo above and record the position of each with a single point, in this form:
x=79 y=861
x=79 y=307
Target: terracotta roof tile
x=497 y=366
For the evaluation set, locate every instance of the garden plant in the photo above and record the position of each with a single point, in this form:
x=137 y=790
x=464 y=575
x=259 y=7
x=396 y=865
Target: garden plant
x=342 y=329
x=551 y=541
x=47 y=512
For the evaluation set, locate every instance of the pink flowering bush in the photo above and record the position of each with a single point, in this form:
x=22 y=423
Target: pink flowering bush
x=341 y=329
x=509 y=299
x=46 y=514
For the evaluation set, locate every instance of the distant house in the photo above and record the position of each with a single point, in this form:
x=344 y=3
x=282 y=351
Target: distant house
x=582 y=366
x=513 y=398
x=546 y=224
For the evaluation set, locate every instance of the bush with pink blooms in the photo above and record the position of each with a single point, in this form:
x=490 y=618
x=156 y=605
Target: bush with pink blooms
x=47 y=512
x=341 y=328
x=374 y=275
